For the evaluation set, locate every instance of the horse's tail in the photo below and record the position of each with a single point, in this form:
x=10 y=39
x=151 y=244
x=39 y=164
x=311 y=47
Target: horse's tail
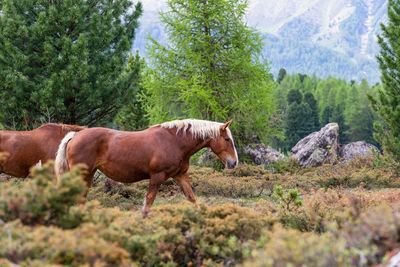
x=61 y=162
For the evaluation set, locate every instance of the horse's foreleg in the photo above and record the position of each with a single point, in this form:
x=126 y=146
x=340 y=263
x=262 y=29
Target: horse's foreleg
x=154 y=185
x=184 y=183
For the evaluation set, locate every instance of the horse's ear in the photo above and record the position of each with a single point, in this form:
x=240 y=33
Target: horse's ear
x=226 y=125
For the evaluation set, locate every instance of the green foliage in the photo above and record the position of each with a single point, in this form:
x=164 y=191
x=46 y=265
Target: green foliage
x=212 y=69
x=288 y=247
x=342 y=226
x=42 y=200
x=294 y=96
x=289 y=200
x=176 y=235
x=387 y=103
x=333 y=100
x=133 y=115
x=281 y=75
x=314 y=115
x=297 y=123
x=65 y=61
x=338 y=117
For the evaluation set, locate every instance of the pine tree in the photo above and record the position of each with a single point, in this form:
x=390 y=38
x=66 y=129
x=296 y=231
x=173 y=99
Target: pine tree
x=313 y=116
x=212 y=68
x=133 y=115
x=281 y=75
x=294 y=96
x=387 y=104
x=338 y=117
x=64 y=61
x=297 y=123
x=326 y=115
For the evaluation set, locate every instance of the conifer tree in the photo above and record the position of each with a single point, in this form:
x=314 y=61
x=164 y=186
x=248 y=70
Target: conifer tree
x=313 y=116
x=297 y=123
x=133 y=115
x=212 y=68
x=281 y=75
x=64 y=61
x=387 y=104
x=338 y=117
x=294 y=96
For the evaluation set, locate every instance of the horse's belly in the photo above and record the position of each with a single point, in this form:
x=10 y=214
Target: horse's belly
x=125 y=176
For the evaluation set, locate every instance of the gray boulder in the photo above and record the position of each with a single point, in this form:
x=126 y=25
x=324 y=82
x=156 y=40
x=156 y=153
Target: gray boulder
x=261 y=154
x=357 y=149
x=318 y=148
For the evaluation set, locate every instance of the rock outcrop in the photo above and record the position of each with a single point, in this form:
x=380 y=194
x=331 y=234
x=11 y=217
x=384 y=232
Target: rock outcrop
x=319 y=147
x=356 y=150
x=261 y=154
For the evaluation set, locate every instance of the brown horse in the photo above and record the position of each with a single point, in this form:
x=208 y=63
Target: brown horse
x=157 y=153
x=24 y=149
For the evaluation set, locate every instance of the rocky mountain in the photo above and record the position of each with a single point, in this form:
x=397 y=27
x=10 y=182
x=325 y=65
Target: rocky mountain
x=321 y=37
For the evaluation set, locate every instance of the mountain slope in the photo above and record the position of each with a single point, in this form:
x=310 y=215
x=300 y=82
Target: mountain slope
x=322 y=37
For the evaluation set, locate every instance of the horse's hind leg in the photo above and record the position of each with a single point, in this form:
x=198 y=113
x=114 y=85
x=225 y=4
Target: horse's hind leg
x=88 y=178
x=184 y=183
x=155 y=181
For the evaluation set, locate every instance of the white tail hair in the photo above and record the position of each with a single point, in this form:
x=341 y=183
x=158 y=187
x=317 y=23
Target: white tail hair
x=61 y=162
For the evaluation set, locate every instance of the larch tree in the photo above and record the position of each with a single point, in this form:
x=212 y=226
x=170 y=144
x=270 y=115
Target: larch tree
x=65 y=61
x=212 y=68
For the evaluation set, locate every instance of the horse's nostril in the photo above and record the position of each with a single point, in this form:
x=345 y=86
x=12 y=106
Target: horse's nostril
x=231 y=164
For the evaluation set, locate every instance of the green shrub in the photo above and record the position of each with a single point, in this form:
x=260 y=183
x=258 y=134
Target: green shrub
x=174 y=235
x=288 y=247
x=287 y=165
x=288 y=200
x=41 y=200
x=246 y=170
x=83 y=245
x=183 y=235
x=358 y=241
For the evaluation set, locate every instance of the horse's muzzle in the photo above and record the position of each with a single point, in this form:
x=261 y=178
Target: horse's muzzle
x=230 y=164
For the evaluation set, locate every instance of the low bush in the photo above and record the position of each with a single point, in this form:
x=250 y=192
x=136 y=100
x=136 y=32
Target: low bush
x=287 y=165
x=44 y=224
x=22 y=245
x=288 y=247
x=232 y=187
x=373 y=234
x=173 y=235
x=42 y=200
x=364 y=240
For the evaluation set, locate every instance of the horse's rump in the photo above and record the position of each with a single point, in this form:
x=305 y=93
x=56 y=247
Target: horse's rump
x=28 y=148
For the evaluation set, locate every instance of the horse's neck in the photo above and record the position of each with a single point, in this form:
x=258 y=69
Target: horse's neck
x=190 y=145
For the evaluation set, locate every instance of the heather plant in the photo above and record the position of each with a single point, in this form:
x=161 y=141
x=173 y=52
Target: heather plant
x=336 y=226
x=364 y=240
x=288 y=247
x=174 y=235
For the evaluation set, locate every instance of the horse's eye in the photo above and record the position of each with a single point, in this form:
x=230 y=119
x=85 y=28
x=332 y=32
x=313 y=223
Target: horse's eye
x=227 y=139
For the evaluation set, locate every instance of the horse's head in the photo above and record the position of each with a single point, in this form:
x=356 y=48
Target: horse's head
x=224 y=147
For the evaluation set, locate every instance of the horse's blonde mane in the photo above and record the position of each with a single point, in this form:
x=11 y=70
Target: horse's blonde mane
x=200 y=129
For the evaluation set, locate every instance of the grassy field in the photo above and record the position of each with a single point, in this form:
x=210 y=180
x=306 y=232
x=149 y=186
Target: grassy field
x=334 y=215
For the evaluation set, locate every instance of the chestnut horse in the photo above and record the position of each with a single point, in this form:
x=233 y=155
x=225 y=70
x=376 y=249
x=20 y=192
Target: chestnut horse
x=24 y=149
x=157 y=153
